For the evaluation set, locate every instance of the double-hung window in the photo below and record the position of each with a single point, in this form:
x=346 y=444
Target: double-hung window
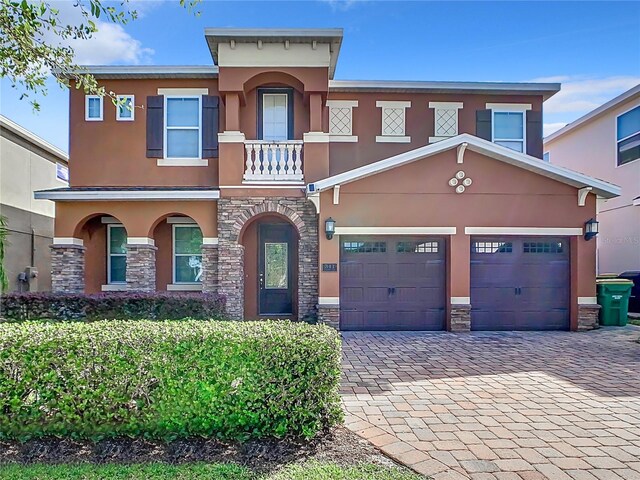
x=275 y=114
x=509 y=129
x=183 y=127
x=187 y=254
x=628 y=136
x=116 y=254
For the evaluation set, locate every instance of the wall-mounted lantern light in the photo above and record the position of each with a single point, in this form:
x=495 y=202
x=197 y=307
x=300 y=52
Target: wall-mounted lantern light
x=590 y=229
x=329 y=227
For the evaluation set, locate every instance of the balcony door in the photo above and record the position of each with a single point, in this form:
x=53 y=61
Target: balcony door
x=275 y=114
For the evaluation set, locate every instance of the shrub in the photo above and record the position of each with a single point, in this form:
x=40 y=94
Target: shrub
x=164 y=380
x=120 y=306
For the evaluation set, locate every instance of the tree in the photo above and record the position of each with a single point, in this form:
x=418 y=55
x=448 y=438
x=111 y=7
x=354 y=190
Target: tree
x=34 y=41
x=4 y=233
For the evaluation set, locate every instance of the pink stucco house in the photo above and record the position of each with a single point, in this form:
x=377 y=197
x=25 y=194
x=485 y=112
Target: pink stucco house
x=605 y=143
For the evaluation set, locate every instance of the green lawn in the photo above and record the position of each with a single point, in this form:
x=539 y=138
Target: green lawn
x=160 y=471
x=634 y=321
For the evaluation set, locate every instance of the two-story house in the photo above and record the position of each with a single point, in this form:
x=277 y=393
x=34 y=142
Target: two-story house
x=605 y=143
x=374 y=205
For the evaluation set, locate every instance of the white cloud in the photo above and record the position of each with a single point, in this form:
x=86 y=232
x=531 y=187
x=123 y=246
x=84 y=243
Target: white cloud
x=549 y=128
x=579 y=95
x=342 y=5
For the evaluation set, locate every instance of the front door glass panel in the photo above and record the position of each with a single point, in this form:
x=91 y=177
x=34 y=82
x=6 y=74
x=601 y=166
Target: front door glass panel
x=276 y=265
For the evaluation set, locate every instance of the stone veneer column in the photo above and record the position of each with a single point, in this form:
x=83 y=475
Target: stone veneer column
x=210 y=268
x=233 y=214
x=460 y=318
x=588 y=317
x=329 y=315
x=141 y=267
x=67 y=268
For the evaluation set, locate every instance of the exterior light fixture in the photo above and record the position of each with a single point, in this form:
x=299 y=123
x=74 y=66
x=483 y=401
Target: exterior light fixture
x=590 y=229
x=329 y=227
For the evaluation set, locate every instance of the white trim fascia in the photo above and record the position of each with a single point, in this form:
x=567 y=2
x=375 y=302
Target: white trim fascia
x=210 y=241
x=129 y=195
x=636 y=202
x=31 y=137
x=587 y=300
x=86 y=108
x=392 y=139
x=393 y=104
x=231 y=136
x=110 y=220
x=184 y=287
x=343 y=138
x=61 y=241
x=135 y=241
x=114 y=287
x=275 y=185
x=437 y=139
x=509 y=107
x=395 y=231
x=460 y=300
x=483 y=147
x=342 y=103
x=541 y=231
x=183 y=91
x=182 y=162
x=315 y=137
x=329 y=301
x=133 y=108
x=187 y=220
x=446 y=105
x=141 y=71
x=595 y=113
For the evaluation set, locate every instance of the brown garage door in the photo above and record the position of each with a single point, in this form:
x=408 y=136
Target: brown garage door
x=392 y=283
x=520 y=283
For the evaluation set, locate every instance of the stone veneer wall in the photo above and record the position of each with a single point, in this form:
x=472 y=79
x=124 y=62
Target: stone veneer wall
x=460 y=318
x=141 y=268
x=67 y=268
x=210 y=268
x=233 y=214
x=329 y=315
x=588 y=317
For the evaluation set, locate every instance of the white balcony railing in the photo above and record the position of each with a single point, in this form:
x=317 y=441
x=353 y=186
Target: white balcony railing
x=273 y=161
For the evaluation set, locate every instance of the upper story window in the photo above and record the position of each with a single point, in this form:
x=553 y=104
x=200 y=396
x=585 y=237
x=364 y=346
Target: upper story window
x=341 y=120
x=509 y=125
x=275 y=114
x=125 y=110
x=116 y=254
x=93 y=108
x=393 y=122
x=445 y=120
x=62 y=172
x=546 y=156
x=628 y=136
x=182 y=124
x=187 y=254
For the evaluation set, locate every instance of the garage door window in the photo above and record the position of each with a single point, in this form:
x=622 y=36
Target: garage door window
x=364 y=247
x=417 y=247
x=542 y=247
x=491 y=247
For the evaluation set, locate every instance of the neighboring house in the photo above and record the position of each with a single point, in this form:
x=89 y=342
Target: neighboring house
x=605 y=143
x=28 y=163
x=228 y=179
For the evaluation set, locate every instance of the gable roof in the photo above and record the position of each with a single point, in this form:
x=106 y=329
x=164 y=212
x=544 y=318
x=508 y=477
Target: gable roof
x=11 y=126
x=478 y=145
x=629 y=94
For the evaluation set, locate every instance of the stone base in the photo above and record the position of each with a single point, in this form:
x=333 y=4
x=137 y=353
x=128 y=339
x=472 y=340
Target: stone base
x=460 y=318
x=329 y=315
x=141 y=268
x=67 y=268
x=588 y=317
x=210 y=268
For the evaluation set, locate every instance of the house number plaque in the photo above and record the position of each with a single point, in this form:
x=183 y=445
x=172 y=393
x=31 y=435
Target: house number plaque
x=329 y=267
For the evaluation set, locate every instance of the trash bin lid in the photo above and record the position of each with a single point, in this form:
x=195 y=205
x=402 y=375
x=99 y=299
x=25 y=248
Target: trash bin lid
x=613 y=281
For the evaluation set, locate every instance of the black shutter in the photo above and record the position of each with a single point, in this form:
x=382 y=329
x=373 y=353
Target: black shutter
x=210 y=126
x=483 y=124
x=155 y=126
x=534 y=133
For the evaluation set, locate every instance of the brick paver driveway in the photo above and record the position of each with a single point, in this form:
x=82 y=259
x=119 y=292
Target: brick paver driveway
x=516 y=406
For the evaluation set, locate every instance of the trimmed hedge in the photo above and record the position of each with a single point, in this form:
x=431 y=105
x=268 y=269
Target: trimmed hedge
x=107 y=306
x=165 y=380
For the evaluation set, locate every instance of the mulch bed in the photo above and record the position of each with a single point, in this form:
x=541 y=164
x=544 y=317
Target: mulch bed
x=337 y=445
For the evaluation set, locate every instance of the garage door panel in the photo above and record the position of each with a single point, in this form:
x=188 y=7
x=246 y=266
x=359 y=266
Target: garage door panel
x=351 y=270
x=352 y=320
x=352 y=294
x=378 y=271
x=377 y=294
x=520 y=283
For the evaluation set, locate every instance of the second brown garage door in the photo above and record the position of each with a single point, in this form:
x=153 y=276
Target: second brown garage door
x=392 y=283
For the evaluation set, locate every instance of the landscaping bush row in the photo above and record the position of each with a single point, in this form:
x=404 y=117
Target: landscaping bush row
x=120 y=305
x=165 y=380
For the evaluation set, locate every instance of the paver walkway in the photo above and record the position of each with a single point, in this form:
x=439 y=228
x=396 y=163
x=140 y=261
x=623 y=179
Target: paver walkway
x=508 y=406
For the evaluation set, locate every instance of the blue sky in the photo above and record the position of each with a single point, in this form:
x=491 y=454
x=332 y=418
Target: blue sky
x=592 y=48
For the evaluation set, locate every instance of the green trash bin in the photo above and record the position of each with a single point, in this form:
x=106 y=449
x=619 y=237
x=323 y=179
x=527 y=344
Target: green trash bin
x=613 y=297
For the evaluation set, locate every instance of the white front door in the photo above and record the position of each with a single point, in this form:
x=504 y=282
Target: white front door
x=275 y=121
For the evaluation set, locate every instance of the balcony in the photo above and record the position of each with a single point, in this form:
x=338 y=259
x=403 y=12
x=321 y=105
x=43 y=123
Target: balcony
x=268 y=161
